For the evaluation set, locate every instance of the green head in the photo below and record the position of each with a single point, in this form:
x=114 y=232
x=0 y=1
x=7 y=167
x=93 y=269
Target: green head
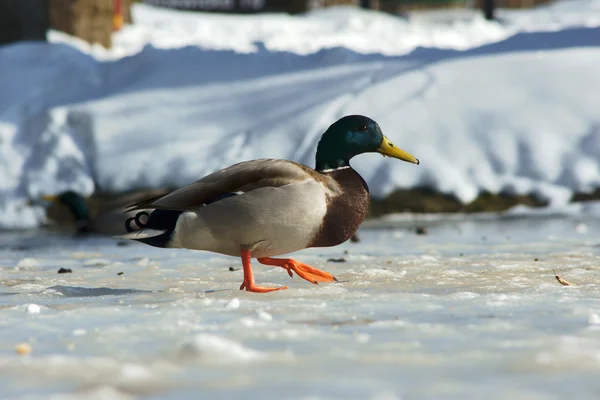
x=76 y=204
x=353 y=135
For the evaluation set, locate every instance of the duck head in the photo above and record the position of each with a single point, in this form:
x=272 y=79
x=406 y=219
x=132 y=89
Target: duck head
x=353 y=135
x=76 y=204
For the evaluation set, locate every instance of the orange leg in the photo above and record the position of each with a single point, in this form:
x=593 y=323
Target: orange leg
x=302 y=270
x=248 y=283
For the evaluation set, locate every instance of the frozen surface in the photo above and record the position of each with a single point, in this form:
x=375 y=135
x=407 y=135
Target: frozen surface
x=508 y=106
x=470 y=310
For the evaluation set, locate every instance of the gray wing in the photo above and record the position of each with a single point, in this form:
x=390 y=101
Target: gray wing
x=243 y=177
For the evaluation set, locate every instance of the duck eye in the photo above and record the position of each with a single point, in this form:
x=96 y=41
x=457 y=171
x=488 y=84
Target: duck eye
x=363 y=128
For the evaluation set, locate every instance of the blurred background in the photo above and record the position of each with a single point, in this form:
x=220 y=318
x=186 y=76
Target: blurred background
x=117 y=97
x=94 y=21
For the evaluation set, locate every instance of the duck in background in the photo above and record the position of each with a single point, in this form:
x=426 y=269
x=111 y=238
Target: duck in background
x=104 y=215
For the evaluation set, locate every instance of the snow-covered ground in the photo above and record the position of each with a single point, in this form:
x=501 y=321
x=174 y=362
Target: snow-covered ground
x=508 y=106
x=470 y=310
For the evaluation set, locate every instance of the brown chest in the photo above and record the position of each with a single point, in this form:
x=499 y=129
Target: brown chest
x=345 y=212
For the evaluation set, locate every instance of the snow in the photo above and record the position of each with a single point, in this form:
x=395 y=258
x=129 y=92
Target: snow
x=358 y=30
x=486 y=106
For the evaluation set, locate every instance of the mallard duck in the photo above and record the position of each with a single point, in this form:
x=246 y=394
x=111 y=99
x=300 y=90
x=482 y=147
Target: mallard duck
x=97 y=214
x=269 y=207
x=73 y=212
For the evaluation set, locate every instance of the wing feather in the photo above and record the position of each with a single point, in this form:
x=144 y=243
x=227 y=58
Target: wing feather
x=243 y=177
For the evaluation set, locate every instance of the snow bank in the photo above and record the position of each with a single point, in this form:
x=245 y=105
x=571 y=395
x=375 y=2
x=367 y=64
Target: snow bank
x=361 y=31
x=517 y=115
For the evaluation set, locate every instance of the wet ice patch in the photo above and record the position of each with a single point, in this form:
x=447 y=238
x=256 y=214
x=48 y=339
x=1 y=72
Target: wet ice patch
x=96 y=262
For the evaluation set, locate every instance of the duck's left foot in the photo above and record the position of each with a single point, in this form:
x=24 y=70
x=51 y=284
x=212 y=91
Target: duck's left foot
x=251 y=287
x=304 y=271
x=248 y=282
x=259 y=289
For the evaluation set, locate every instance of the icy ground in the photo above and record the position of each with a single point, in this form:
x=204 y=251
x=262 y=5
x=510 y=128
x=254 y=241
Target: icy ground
x=469 y=310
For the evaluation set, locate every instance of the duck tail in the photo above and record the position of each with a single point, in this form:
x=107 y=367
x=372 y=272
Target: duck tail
x=155 y=228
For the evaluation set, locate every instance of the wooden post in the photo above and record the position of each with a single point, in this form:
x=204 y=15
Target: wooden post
x=489 y=8
x=118 y=15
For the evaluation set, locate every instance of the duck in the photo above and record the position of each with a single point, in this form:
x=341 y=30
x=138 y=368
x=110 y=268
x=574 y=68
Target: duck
x=70 y=210
x=268 y=207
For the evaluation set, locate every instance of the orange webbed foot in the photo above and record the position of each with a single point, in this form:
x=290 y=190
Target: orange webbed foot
x=304 y=271
x=251 y=287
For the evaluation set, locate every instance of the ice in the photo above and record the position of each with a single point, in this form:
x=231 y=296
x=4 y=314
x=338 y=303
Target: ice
x=33 y=309
x=506 y=106
x=265 y=316
x=594 y=319
x=484 y=317
x=233 y=304
x=28 y=263
x=211 y=348
x=581 y=228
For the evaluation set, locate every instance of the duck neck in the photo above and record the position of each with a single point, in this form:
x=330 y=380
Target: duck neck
x=332 y=166
x=79 y=210
x=330 y=157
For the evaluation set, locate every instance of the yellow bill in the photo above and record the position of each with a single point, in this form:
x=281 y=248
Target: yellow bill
x=387 y=148
x=50 y=197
